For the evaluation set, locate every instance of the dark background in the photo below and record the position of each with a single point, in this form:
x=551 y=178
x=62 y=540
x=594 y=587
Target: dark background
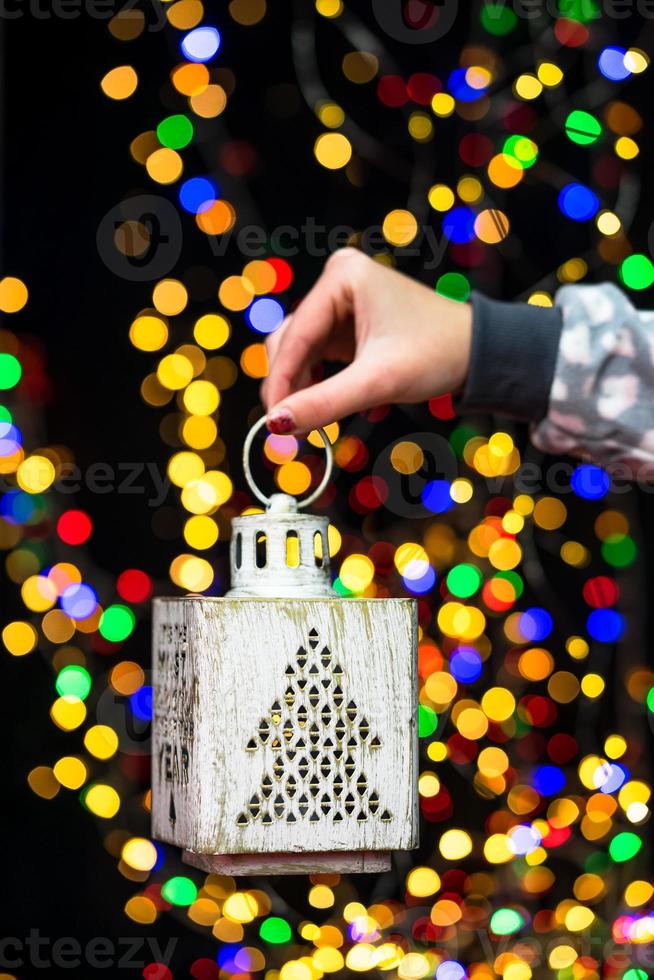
x=65 y=164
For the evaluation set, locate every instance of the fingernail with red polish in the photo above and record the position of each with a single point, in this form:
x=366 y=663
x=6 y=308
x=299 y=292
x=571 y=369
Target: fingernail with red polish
x=281 y=423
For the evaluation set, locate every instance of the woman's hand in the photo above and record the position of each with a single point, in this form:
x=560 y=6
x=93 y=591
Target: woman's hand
x=401 y=342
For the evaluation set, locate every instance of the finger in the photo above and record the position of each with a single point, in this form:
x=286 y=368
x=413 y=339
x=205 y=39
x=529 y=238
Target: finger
x=326 y=305
x=353 y=389
x=272 y=343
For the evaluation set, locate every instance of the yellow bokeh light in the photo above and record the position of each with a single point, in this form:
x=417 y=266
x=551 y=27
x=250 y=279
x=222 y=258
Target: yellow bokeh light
x=101 y=741
x=400 y=227
x=441 y=197
x=170 y=297
x=333 y=150
x=329 y=8
x=293 y=478
x=422 y=881
x=321 y=897
x=212 y=331
x=175 y=371
x=201 y=532
x=357 y=572
x=120 y=82
x=139 y=853
x=35 y=474
x=191 y=573
x=19 y=638
x=148 y=333
x=236 y=293
x=68 y=712
x=626 y=148
x=443 y=105
x=528 y=87
x=38 y=593
x=330 y=114
x=420 y=127
x=102 y=800
x=608 y=223
x=549 y=75
x=455 y=845
x=201 y=398
x=13 y=294
x=165 y=166
x=498 y=704
x=70 y=772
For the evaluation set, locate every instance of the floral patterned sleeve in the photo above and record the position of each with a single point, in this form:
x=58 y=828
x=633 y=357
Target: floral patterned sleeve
x=581 y=373
x=601 y=402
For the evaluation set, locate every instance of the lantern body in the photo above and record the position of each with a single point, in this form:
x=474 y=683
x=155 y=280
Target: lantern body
x=284 y=731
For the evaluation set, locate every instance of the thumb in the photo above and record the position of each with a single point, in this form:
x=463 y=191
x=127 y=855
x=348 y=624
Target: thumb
x=351 y=390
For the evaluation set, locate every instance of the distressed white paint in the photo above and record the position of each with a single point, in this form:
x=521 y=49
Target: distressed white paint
x=357 y=862
x=219 y=665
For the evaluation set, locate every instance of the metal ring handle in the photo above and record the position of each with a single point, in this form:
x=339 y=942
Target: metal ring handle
x=247 y=446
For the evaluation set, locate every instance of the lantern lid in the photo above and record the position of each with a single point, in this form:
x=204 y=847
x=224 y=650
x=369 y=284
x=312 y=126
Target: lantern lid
x=281 y=553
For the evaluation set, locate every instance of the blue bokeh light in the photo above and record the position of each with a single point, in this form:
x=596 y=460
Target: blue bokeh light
x=459 y=225
x=590 y=482
x=425 y=583
x=548 y=780
x=17 y=507
x=611 y=63
x=141 y=703
x=535 y=624
x=466 y=665
x=79 y=601
x=578 y=202
x=436 y=496
x=265 y=315
x=605 y=625
x=197 y=194
x=458 y=87
x=201 y=44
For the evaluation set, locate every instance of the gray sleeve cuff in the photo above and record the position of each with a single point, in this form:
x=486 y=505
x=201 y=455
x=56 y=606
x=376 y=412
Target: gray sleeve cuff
x=514 y=352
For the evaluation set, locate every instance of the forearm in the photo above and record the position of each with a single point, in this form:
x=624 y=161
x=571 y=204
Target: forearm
x=582 y=373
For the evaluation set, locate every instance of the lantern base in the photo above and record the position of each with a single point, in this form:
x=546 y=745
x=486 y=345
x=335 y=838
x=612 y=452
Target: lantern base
x=302 y=863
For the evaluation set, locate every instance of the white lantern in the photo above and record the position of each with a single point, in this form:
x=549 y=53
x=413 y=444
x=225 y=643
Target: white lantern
x=284 y=730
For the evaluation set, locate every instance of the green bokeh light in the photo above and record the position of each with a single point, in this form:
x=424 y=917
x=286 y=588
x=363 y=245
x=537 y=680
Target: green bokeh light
x=498 y=18
x=179 y=891
x=582 y=11
x=74 y=680
x=625 y=846
x=5 y=414
x=175 y=132
x=116 y=623
x=515 y=580
x=275 y=930
x=427 y=721
x=454 y=285
x=619 y=550
x=464 y=580
x=460 y=436
x=522 y=149
x=637 y=272
x=506 y=921
x=583 y=128
x=10 y=370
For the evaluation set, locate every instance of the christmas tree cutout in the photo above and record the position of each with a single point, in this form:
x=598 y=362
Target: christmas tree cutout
x=315 y=740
